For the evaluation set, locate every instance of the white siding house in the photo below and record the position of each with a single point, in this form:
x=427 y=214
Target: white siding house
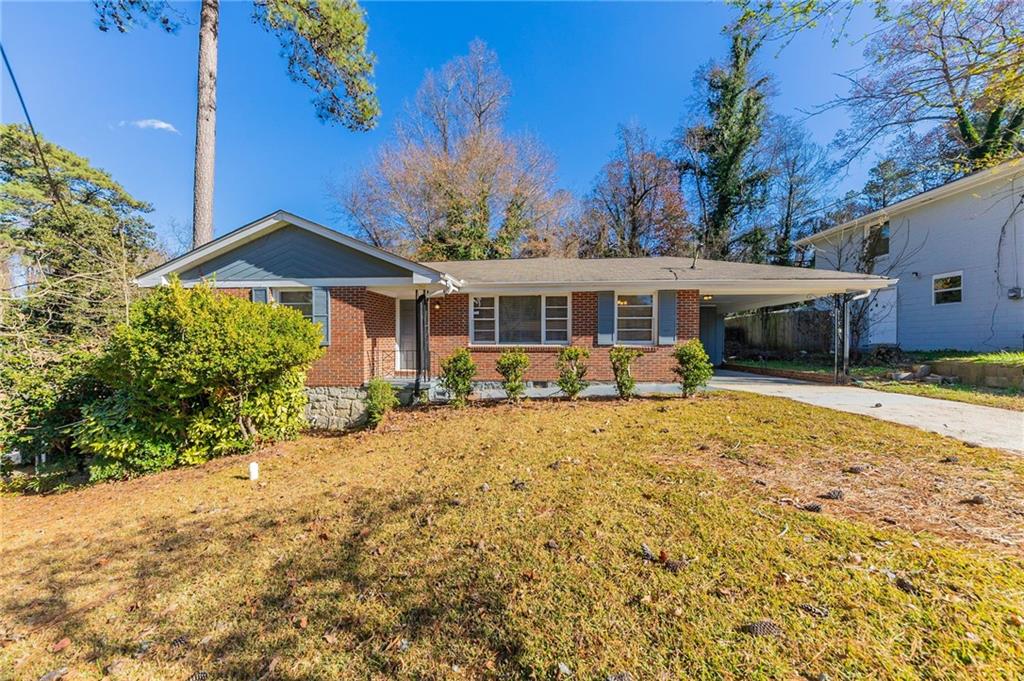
x=958 y=253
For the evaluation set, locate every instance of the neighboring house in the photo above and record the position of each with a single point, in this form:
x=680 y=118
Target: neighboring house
x=958 y=253
x=384 y=315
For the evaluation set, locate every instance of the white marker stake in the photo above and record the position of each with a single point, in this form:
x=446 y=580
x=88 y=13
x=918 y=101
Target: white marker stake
x=254 y=471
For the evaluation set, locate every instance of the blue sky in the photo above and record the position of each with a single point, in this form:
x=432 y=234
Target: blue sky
x=578 y=69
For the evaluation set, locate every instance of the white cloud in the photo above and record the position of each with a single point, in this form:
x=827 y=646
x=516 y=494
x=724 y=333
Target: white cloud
x=151 y=124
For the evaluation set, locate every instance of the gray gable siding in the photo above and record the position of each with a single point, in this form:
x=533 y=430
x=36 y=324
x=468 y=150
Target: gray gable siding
x=291 y=253
x=956 y=233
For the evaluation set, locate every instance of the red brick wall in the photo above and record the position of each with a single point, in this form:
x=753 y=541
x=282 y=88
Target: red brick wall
x=236 y=292
x=449 y=329
x=345 y=361
x=380 y=335
x=363 y=339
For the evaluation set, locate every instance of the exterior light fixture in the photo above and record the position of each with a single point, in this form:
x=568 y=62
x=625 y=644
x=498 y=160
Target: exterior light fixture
x=708 y=297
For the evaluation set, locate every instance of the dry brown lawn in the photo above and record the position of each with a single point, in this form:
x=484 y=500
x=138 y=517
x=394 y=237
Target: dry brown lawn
x=505 y=542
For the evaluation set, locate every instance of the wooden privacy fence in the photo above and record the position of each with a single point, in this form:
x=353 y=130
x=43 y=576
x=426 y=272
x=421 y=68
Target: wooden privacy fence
x=785 y=330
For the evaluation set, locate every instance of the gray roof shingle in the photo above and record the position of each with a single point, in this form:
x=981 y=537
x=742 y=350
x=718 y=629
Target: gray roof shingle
x=600 y=270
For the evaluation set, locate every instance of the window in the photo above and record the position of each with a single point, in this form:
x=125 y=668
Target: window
x=948 y=288
x=634 y=318
x=556 y=319
x=483 y=320
x=298 y=300
x=519 y=320
x=880 y=246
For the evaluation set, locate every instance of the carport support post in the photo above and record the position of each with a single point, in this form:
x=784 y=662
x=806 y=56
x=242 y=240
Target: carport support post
x=420 y=301
x=836 y=340
x=846 y=338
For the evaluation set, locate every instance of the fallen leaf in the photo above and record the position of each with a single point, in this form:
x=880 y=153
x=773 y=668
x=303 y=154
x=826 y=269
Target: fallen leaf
x=60 y=645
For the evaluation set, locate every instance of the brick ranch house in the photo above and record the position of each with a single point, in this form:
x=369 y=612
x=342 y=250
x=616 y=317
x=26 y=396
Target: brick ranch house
x=384 y=315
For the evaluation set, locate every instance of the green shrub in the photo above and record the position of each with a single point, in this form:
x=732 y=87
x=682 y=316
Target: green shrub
x=622 y=358
x=457 y=374
x=512 y=365
x=572 y=370
x=42 y=394
x=693 y=366
x=380 y=399
x=195 y=375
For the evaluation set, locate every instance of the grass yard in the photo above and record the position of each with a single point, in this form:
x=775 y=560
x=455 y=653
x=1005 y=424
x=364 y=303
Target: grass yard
x=505 y=542
x=1004 y=357
x=874 y=377
x=1002 y=398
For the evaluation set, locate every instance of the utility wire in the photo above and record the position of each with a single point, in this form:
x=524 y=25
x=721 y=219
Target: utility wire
x=39 y=147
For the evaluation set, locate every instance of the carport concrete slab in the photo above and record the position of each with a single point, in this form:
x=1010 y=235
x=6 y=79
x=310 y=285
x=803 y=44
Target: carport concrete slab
x=984 y=426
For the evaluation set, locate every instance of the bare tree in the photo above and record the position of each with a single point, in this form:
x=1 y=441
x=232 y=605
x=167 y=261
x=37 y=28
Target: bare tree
x=799 y=180
x=451 y=183
x=635 y=207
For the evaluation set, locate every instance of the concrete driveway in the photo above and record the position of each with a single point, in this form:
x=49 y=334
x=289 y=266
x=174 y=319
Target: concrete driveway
x=985 y=426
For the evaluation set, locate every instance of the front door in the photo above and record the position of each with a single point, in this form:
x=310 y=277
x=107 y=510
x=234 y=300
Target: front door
x=406 y=335
x=711 y=333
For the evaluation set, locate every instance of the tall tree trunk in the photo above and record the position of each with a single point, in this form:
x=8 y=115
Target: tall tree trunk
x=206 y=124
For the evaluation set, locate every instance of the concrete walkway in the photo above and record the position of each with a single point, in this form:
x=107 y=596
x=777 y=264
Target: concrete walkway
x=984 y=426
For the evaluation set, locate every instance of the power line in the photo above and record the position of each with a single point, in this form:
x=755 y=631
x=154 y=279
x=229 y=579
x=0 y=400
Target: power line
x=39 y=147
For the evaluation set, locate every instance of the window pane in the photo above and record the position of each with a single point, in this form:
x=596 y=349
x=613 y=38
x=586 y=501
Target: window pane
x=557 y=312
x=634 y=335
x=483 y=324
x=483 y=336
x=628 y=311
x=557 y=301
x=881 y=246
x=519 y=319
x=953 y=296
x=636 y=300
x=630 y=323
x=557 y=324
x=947 y=282
x=557 y=336
x=298 y=300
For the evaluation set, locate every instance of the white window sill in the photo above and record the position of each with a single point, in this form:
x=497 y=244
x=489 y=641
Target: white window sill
x=524 y=346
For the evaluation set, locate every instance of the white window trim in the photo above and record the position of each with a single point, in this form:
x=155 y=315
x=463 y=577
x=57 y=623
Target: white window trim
x=654 y=319
x=956 y=273
x=543 y=321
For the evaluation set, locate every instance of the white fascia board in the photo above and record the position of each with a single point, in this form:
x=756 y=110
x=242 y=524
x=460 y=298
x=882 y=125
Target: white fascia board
x=367 y=282
x=710 y=286
x=271 y=222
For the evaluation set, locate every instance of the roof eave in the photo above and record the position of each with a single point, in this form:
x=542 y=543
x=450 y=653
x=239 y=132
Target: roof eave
x=1008 y=169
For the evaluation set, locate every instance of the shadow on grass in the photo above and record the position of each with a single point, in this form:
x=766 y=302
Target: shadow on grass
x=241 y=603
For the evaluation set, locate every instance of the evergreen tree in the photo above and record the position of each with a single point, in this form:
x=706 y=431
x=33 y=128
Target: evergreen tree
x=324 y=41
x=715 y=155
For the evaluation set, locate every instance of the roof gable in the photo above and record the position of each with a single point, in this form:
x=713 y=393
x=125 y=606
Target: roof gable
x=290 y=252
x=283 y=248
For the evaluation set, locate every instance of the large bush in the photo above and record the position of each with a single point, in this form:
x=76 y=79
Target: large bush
x=457 y=374
x=693 y=366
x=194 y=375
x=512 y=365
x=622 y=359
x=572 y=370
